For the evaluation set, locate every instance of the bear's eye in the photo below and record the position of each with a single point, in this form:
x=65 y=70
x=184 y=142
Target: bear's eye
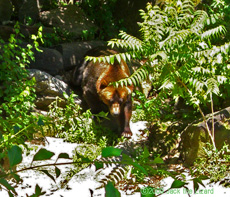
x=111 y=101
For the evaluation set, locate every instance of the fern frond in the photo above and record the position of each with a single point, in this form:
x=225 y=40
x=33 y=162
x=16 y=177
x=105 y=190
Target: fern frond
x=221 y=79
x=175 y=38
x=197 y=84
x=199 y=22
x=111 y=58
x=212 y=86
x=136 y=78
x=214 y=51
x=127 y=41
x=127 y=44
x=187 y=7
x=167 y=84
x=153 y=26
x=213 y=18
x=200 y=69
x=116 y=175
x=215 y=32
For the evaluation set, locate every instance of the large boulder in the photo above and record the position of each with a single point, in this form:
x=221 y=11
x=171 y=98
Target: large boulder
x=6 y=31
x=128 y=12
x=68 y=18
x=29 y=12
x=6 y=10
x=195 y=136
x=47 y=4
x=48 y=88
x=48 y=85
x=73 y=53
x=49 y=60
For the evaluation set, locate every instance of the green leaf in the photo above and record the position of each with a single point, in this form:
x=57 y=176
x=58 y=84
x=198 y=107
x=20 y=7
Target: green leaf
x=178 y=184
x=111 y=151
x=140 y=168
x=15 y=155
x=10 y=194
x=98 y=165
x=43 y=154
x=118 y=58
x=195 y=185
x=48 y=174
x=63 y=156
x=111 y=191
x=7 y=185
x=197 y=181
x=38 y=191
x=158 y=160
x=126 y=159
x=57 y=172
x=146 y=152
x=112 y=59
x=123 y=56
x=108 y=59
x=40 y=122
x=66 y=96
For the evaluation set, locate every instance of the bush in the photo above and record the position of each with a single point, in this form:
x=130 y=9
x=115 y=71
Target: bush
x=214 y=163
x=17 y=94
x=75 y=125
x=178 y=49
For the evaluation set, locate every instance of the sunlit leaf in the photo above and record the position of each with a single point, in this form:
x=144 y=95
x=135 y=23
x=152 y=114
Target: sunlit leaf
x=43 y=154
x=15 y=155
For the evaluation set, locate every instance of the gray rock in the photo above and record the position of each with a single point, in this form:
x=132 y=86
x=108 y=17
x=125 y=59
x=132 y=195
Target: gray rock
x=73 y=53
x=47 y=4
x=50 y=61
x=48 y=85
x=6 y=10
x=128 y=12
x=29 y=12
x=68 y=18
x=5 y=32
x=195 y=136
x=17 y=4
x=48 y=88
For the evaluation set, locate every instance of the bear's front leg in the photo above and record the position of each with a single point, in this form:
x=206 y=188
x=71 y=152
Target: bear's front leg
x=125 y=119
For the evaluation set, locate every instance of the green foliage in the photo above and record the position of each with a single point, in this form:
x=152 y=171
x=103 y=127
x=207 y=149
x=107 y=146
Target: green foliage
x=110 y=190
x=101 y=11
x=214 y=163
x=150 y=109
x=17 y=94
x=179 y=49
x=74 y=125
x=58 y=36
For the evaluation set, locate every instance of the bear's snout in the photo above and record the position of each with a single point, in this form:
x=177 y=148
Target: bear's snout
x=115 y=109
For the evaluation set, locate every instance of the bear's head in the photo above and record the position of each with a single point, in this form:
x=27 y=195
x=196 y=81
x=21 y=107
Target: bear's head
x=114 y=98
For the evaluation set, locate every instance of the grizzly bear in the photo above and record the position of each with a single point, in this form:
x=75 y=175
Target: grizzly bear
x=100 y=95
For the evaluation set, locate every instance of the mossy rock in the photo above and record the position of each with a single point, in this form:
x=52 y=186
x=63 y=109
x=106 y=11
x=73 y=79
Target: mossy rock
x=195 y=136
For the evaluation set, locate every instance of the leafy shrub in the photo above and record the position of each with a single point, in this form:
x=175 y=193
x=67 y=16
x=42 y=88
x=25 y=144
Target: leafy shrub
x=214 y=163
x=75 y=125
x=101 y=11
x=177 y=50
x=17 y=94
x=57 y=37
x=152 y=108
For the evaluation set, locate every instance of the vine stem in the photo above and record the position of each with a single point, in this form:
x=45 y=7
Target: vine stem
x=210 y=133
x=212 y=108
x=53 y=164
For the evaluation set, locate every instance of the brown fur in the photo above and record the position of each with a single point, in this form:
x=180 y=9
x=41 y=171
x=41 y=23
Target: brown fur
x=100 y=96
